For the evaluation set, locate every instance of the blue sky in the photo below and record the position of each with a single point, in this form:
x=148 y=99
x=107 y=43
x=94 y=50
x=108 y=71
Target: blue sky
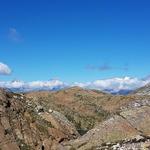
x=75 y=40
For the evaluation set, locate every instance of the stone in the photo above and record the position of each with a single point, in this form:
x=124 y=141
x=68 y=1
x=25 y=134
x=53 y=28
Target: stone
x=39 y=109
x=50 y=110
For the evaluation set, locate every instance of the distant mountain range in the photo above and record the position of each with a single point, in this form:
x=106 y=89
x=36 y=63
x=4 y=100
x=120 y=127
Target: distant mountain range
x=123 y=88
x=25 y=90
x=120 y=92
x=111 y=91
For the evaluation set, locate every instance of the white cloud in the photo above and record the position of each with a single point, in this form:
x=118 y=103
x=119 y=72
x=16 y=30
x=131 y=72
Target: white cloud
x=45 y=84
x=34 y=85
x=4 y=69
x=113 y=84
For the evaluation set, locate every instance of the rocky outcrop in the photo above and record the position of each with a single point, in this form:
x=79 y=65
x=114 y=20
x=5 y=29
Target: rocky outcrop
x=61 y=123
x=136 y=104
x=127 y=129
x=26 y=125
x=143 y=90
x=139 y=118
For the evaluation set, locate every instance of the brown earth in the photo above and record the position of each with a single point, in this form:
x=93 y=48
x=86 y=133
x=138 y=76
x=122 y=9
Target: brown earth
x=73 y=118
x=24 y=125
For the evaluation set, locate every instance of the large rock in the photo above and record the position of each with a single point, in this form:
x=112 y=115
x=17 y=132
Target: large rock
x=114 y=129
x=139 y=118
x=61 y=123
x=124 y=127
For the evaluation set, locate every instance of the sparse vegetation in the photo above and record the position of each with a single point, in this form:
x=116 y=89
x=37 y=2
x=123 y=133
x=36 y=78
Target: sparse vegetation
x=23 y=145
x=33 y=120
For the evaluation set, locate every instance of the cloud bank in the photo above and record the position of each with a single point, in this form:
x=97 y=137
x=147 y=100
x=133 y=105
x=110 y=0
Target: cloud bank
x=4 y=69
x=113 y=85
x=33 y=86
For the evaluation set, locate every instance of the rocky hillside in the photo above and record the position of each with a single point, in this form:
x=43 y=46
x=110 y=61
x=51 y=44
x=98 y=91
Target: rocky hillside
x=27 y=126
x=143 y=90
x=78 y=105
x=84 y=108
x=127 y=130
x=73 y=119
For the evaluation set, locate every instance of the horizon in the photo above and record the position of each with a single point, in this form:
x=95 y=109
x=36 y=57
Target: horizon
x=95 y=44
